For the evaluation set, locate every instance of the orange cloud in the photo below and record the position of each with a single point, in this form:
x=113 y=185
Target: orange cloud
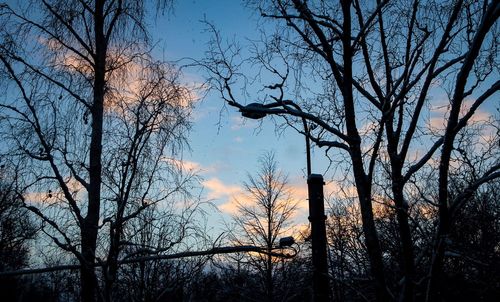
x=439 y=114
x=184 y=165
x=218 y=190
x=231 y=206
x=233 y=195
x=41 y=198
x=131 y=77
x=57 y=196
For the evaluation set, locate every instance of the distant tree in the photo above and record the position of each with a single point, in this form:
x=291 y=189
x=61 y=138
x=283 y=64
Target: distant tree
x=161 y=229
x=240 y=282
x=208 y=288
x=93 y=121
x=17 y=228
x=348 y=257
x=262 y=217
x=472 y=253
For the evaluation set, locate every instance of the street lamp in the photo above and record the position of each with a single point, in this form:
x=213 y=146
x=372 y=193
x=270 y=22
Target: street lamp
x=317 y=215
x=286 y=241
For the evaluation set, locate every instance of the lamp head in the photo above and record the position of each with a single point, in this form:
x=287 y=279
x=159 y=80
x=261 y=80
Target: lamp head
x=252 y=111
x=286 y=241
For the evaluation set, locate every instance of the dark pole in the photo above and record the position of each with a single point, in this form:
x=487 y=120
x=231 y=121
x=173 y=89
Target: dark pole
x=317 y=218
x=308 y=147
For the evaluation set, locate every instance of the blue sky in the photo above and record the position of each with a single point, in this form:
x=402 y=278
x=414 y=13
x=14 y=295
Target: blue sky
x=226 y=152
x=225 y=147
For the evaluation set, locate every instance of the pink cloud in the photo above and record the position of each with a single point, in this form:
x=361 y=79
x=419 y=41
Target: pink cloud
x=219 y=190
x=439 y=114
x=191 y=166
x=56 y=196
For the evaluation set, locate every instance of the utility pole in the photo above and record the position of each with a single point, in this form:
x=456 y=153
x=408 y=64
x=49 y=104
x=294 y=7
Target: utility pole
x=317 y=218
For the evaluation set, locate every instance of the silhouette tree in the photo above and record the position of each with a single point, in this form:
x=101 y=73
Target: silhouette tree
x=371 y=79
x=263 y=216
x=92 y=119
x=161 y=229
x=16 y=229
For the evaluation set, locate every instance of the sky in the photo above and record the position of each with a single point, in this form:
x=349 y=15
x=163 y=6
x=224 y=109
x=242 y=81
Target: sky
x=224 y=146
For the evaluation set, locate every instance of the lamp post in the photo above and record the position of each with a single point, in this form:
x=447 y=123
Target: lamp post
x=317 y=215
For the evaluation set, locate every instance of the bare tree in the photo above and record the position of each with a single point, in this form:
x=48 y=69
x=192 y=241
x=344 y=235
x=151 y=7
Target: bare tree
x=93 y=120
x=366 y=77
x=263 y=217
x=347 y=253
x=17 y=228
x=162 y=229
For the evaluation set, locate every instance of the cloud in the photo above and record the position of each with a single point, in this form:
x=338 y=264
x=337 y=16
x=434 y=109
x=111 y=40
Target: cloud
x=368 y=127
x=56 y=195
x=298 y=187
x=192 y=166
x=480 y=116
x=335 y=189
x=185 y=165
x=41 y=198
x=219 y=190
x=331 y=188
x=439 y=114
x=232 y=195
x=231 y=206
x=437 y=123
x=132 y=78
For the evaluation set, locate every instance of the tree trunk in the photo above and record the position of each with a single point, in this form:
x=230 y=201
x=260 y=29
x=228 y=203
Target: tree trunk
x=363 y=186
x=89 y=286
x=406 y=243
x=88 y=279
x=405 y=236
x=269 y=279
x=373 y=246
x=111 y=270
x=269 y=270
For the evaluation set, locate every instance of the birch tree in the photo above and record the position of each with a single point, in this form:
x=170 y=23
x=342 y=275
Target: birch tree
x=94 y=120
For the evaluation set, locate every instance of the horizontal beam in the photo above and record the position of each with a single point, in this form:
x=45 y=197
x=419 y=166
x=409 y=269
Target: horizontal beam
x=213 y=251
